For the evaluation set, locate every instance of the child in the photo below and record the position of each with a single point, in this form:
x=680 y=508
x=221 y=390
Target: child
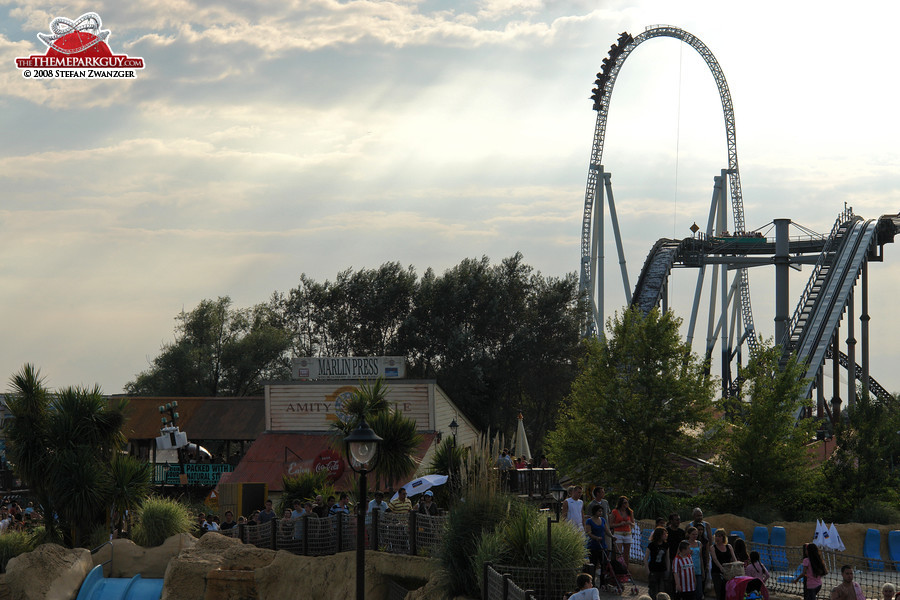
x=683 y=570
x=756 y=568
x=586 y=589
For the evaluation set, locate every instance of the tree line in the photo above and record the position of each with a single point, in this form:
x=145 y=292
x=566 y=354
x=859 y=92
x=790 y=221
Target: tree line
x=498 y=338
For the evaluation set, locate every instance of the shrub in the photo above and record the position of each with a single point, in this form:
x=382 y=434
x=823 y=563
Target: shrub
x=876 y=511
x=654 y=504
x=520 y=542
x=159 y=519
x=303 y=486
x=13 y=544
x=466 y=522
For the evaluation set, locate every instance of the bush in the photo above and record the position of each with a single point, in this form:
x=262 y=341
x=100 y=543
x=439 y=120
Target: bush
x=303 y=486
x=13 y=544
x=466 y=522
x=876 y=511
x=654 y=504
x=159 y=519
x=520 y=543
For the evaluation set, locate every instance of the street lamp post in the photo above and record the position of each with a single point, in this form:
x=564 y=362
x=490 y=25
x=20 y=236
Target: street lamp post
x=558 y=493
x=362 y=450
x=454 y=428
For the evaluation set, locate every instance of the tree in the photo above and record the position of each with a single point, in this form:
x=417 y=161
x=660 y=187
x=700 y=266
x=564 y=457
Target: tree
x=640 y=401
x=66 y=446
x=864 y=470
x=218 y=350
x=399 y=437
x=764 y=458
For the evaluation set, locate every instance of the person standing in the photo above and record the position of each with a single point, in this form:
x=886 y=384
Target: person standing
x=813 y=570
x=401 y=504
x=721 y=553
x=599 y=495
x=657 y=561
x=597 y=531
x=696 y=549
x=683 y=569
x=268 y=514
x=675 y=537
x=847 y=589
x=573 y=509
x=622 y=523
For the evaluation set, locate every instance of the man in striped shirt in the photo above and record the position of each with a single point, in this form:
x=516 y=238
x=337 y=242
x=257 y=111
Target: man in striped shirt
x=401 y=503
x=683 y=570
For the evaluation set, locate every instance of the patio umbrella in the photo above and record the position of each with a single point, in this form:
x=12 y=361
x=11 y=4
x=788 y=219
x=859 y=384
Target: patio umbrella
x=521 y=445
x=821 y=534
x=419 y=485
x=834 y=539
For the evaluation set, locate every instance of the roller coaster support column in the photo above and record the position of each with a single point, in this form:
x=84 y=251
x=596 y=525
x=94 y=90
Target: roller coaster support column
x=782 y=262
x=836 y=376
x=864 y=326
x=597 y=252
x=851 y=352
x=722 y=226
x=614 y=220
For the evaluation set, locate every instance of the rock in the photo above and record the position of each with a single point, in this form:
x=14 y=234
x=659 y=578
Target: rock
x=185 y=577
x=50 y=572
x=333 y=577
x=127 y=559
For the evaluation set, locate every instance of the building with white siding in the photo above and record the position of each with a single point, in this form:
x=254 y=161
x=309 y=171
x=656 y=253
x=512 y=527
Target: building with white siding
x=299 y=415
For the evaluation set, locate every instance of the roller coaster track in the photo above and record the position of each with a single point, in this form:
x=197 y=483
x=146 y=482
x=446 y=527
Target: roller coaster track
x=826 y=297
x=851 y=242
x=605 y=82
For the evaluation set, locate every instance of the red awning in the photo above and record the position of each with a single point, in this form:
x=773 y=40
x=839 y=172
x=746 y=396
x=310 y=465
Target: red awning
x=274 y=455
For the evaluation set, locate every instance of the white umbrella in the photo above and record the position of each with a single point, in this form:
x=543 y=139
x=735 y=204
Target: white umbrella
x=821 y=535
x=419 y=485
x=834 y=539
x=521 y=446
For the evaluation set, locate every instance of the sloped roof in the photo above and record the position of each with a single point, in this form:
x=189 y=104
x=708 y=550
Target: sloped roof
x=275 y=454
x=211 y=418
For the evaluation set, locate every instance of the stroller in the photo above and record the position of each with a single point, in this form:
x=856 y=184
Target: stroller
x=746 y=588
x=613 y=575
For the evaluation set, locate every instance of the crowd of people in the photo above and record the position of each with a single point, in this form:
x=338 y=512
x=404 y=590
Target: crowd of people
x=682 y=561
x=292 y=518
x=15 y=518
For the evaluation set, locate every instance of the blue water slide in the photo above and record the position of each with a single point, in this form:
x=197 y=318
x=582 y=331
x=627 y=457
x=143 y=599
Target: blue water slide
x=98 y=587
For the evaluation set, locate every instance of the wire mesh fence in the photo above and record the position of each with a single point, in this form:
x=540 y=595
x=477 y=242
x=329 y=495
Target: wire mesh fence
x=410 y=533
x=784 y=565
x=534 y=579
x=499 y=585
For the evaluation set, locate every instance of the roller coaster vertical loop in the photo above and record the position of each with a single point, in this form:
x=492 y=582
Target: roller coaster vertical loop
x=618 y=55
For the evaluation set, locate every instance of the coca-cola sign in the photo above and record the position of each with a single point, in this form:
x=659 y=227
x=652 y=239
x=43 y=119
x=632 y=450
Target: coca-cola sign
x=331 y=461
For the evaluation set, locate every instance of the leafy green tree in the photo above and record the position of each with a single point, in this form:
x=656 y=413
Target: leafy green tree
x=764 y=459
x=864 y=470
x=640 y=402
x=217 y=351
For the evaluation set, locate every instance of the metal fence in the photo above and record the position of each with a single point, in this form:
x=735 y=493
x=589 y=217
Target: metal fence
x=501 y=585
x=783 y=563
x=411 y=533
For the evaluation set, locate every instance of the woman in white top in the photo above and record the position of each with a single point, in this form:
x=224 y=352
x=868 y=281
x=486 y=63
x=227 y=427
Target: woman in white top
x=586 y=589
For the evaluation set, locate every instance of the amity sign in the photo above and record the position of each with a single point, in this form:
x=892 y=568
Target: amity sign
x=349 y=367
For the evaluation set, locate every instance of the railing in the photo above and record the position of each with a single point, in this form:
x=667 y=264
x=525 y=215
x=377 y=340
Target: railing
x=412 y=533
x=534 y=483
x=783 y=562
x=189 y=474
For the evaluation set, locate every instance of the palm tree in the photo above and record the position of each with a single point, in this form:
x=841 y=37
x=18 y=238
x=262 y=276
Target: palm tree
x=369 y=402
x=66 y=446
x=130 y=485
x=29 y=403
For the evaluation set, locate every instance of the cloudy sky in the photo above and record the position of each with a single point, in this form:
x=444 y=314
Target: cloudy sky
x=266 y=140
